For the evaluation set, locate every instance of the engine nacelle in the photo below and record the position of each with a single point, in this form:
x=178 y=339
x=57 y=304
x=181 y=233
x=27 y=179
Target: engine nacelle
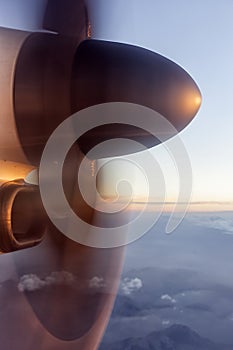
x=47 y=77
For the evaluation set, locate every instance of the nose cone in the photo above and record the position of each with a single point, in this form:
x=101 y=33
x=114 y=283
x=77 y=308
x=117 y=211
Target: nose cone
x=113 y=72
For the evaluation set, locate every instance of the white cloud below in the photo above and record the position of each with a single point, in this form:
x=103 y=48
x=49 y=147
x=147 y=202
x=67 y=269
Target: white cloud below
x=167 y=297
x=96 y=283
x=128 y=286
x=31 y=282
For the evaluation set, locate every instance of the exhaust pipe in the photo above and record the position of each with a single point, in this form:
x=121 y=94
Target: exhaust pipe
x=22 y=217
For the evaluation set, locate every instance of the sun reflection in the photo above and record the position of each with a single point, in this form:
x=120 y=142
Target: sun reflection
x=197 y=101
x=191 y=102
x=11 y=170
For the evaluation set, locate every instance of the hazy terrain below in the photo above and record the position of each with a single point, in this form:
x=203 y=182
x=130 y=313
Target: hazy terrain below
x=180 y=279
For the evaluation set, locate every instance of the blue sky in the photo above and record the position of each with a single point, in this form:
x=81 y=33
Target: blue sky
x=23 y=14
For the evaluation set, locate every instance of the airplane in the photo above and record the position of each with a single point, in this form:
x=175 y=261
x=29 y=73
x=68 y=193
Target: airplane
x=47 y=75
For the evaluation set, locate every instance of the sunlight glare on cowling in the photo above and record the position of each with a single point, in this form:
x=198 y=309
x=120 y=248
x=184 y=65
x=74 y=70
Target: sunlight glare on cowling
x=192 y=101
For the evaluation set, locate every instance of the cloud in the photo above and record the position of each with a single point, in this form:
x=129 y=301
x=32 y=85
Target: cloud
x=128 y=286
x=167 y=297
x=96 y=283
x=166 y=323
x=31 y=282
x=223 y=222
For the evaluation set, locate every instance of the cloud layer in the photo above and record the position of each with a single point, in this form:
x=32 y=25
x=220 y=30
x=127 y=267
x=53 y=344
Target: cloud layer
x=32 y=282
x=221 y=222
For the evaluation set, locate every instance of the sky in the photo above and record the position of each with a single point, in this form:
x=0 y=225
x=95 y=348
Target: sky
x=198 y=36
x=23 y=14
